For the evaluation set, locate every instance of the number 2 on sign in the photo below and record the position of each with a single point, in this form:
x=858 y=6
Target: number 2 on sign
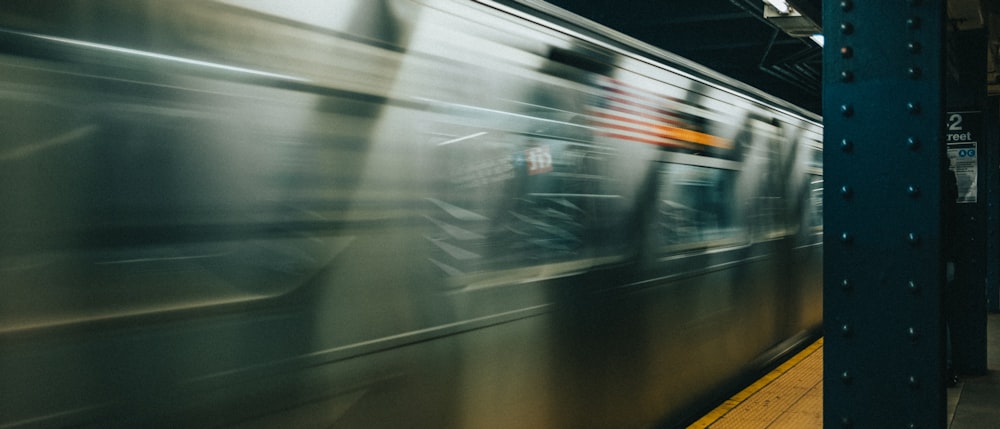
x=955 y=122
x=539 y=160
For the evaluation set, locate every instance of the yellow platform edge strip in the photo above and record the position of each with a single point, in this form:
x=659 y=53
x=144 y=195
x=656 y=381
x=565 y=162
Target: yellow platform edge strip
x=733 y=402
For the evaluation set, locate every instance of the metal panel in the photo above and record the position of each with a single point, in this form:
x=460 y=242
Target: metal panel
x=883 y=110
x=965 y=307
x=992 y=205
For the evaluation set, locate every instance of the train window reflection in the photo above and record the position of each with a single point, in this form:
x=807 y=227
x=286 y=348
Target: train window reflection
x=816 y=203
x=816 y=161
x=695 y=207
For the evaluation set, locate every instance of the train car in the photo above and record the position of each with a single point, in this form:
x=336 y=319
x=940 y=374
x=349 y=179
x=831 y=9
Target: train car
x=386 y=213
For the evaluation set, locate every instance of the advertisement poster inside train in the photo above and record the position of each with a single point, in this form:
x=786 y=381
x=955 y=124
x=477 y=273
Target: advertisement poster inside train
x=962 y=135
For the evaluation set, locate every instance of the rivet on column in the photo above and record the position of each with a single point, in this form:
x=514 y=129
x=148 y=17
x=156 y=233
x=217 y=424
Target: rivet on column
x=846 y=330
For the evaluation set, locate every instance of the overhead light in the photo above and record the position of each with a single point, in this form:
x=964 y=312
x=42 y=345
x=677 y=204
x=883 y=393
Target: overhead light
x=818 y=38
x=780 y=5
x=784 y=16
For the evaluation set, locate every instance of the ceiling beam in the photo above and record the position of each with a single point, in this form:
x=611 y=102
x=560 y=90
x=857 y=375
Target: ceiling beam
x=694 y=19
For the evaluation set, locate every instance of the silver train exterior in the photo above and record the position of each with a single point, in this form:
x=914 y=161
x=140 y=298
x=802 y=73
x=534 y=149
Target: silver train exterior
x=386 y=213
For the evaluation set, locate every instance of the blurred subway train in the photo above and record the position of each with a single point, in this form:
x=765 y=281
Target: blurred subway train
x=386 y=213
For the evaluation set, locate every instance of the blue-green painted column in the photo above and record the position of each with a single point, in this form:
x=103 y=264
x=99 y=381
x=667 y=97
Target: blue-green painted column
x=884 y=160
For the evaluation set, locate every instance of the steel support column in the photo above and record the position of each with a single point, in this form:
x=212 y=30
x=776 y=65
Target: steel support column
x=965 y=297
x=991 y=128
x=884 y=161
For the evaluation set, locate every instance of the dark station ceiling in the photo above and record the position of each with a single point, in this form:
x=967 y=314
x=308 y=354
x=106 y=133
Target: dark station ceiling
x=736 y=38
x=731 y=37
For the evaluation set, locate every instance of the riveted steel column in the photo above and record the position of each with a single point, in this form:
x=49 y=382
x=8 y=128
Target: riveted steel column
x=884 y=159
x=965 y=297
x=992 y=131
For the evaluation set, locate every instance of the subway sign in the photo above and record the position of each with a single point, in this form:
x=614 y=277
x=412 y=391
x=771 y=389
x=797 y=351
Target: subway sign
x=962 y=133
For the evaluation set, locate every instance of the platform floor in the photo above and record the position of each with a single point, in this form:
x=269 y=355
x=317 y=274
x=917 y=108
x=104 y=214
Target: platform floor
x=791 y=396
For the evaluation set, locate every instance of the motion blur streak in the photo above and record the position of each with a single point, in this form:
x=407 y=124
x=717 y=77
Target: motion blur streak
x=383 y=214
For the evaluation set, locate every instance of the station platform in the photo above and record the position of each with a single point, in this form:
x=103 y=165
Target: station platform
x=791 y=396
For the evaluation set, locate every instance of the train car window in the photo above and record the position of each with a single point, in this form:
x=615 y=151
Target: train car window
x=814 y=206
x=695 y=207
x=816 y=203
x=816 y=162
